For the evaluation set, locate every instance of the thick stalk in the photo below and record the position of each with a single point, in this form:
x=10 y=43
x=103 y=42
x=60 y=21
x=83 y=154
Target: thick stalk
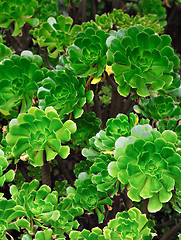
x=24 y=171
x=172 y=232
x=45 y=171
x=144 y=209
x=63 y=168
x=93 y=8
x=126 y=199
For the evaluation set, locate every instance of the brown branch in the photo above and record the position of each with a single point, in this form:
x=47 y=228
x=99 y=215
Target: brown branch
x=144 y=209
x=172 y=232
x=45 y=171
x=46 y=59
x=23 y=171
x=126 y=199
x=84 y=10
x=63 y=168
x=93 y=8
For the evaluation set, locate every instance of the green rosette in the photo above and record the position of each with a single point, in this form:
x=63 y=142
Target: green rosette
x=149 y=164
x=142 y=61
x=87 y=55
x=55 y=34
x=18 y=12
x=158 y=108
x=129 y=225
x=65 y=92
x=38 y=131
x=19 y=77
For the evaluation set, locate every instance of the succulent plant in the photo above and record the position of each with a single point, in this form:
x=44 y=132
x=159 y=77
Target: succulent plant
x=9 y=175
x=43 y=207
x=118 y=20
x=95 y=233
x=146 y=7
x=5 y=52
x=56 y=35
x=65 y=92
x=88 y=197
x=116 y=127
x=87 y=55
x=39 y=203
x=87 y=126
x=141 y=60
x=19 y=77
x=129 y=225
x=100 y=176
x=149 y=164
x=157 y=108
x=10 y=218
x=67 y=221
x=45 y=9
x=19 y=12
x=37 y=131
x=125 y=226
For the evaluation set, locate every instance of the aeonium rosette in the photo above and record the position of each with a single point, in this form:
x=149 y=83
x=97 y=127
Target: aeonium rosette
x=157 y=108
x=65 y=92
x=129 y=225
x=18 y=12
x=148 y=164
x=142 y=61
x=19 y=78
x=87 y=55
x=38 y=131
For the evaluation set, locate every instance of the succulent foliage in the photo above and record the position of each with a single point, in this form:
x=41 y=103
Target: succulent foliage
x=37 y=131
x=19 y=76
x=56 y=35
x=142 y=61
x=18 y=12
x=87 y=55
x=65 y=92
x=149 y=164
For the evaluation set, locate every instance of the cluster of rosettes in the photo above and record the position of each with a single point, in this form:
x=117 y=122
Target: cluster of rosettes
x=87 y=196
x=87 y=55
x=19 y=12
x=56 y=35
x=142 y=61
x=65 y=92
x=104 y=140
x=126 y=226
x=118 y=19
x=149 y=164
x=158 y=108
x=147 y=7
x=9 y=175
x=38 y=131
x=43 y=207
x=19 y=78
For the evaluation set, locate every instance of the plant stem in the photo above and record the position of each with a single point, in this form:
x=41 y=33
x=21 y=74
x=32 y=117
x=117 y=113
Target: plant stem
x=144 y=209
x=46 y=59
x=93 y=8
x=63 y=168
x=172 y=232
x=24 y=171
x=126 y=199
x=45 y=171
